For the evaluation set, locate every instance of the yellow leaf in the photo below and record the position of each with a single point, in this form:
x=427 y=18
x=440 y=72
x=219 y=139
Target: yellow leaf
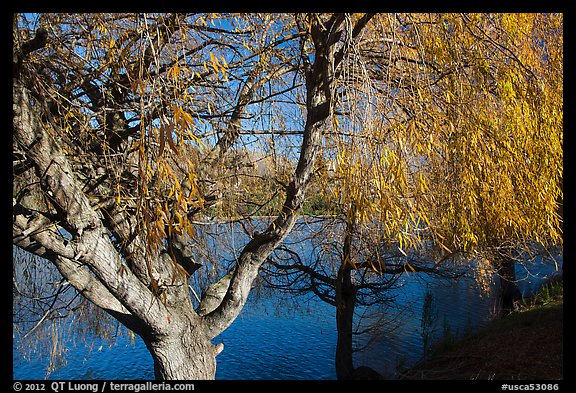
x=213 y=58
x=173 y=72
x=444 y=247
x=183 y=204
x=193 y=137
x=215 y=62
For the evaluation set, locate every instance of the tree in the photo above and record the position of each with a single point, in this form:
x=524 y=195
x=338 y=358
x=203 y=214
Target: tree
x=111 y=169
x=456 y=153
x=351 y=266
x=501 y=143
x=472 y=140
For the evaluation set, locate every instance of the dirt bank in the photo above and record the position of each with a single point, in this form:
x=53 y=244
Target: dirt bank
x=525 y=345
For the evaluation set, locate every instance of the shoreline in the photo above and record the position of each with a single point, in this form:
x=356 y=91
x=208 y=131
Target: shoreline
x=527 y=344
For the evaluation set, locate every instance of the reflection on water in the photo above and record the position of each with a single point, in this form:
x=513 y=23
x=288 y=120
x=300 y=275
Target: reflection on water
x=457 y=307
x=265 y=342
x=272 y=339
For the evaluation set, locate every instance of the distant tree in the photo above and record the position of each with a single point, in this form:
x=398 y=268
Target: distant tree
x=350 y=267
x=497 y=175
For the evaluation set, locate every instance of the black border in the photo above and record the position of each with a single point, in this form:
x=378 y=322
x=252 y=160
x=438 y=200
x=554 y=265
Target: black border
x=6 y=373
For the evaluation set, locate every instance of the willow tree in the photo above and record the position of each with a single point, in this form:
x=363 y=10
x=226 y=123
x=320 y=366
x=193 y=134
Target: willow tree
x=450 y=146
x=125 y=131
x=498 y=131
x=465 y=147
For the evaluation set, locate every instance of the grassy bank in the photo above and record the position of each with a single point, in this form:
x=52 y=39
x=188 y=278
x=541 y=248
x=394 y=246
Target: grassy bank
x=527 y=344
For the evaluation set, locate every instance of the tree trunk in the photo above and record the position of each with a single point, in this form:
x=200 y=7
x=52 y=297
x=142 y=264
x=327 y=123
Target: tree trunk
x=184 y=352
x=508 y=291
x=182 y=358
x=345 y=302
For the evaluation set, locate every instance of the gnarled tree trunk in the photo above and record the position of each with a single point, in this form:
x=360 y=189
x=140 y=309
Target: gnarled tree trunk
x=184 y=352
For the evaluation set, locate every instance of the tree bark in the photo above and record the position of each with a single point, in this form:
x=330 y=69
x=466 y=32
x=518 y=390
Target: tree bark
x=184 y=352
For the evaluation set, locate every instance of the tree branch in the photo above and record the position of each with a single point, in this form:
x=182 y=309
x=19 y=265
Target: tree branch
x=259 y=248
x=77 y=274
x=38 y=42
x=90 y=243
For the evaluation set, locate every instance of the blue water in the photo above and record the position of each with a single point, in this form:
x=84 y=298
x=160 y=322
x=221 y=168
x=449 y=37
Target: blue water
x=270 y=343
x=266 y=341
x=277 y=337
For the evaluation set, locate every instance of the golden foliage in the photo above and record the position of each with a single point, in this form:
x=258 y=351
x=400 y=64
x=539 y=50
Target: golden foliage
x=447 y=126
x=464 y=139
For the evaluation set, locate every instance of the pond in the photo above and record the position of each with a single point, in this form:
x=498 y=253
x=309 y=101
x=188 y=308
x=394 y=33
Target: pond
x=276 y=338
